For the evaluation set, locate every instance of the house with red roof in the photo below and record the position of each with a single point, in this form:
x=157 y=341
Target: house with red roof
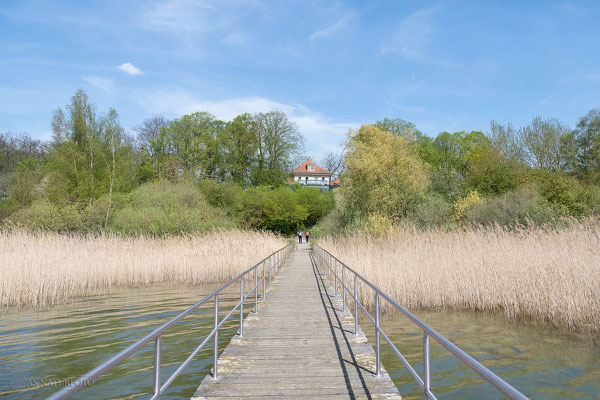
x=310 y=174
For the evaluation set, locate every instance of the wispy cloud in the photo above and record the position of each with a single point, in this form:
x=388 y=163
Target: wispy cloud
x=591 y=76
x=105 y=84
x=321 y=133
x=412 y=35
x=332 y=29
x=130 y=69
x=544 y=100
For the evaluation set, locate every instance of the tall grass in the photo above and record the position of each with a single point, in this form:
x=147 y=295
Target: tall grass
x=43 y=269
x=545 y=275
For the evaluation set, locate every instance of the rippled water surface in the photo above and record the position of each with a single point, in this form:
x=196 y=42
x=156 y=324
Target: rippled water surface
x=40 y=350
x=540 y=362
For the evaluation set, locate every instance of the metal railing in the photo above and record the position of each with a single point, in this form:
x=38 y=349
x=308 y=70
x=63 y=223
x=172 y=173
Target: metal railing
x=270 y=266
x=332 y=264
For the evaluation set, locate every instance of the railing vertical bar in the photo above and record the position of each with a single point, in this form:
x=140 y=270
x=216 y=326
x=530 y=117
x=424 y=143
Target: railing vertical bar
x=426 y=366
x=270 y=269
x=216 y=344
x=355 y=304
x=157 y=362
x=264 y=279
x=256 y=289
x=335 y=283
x=241 y=306
x=377 y=339
x=343 y=287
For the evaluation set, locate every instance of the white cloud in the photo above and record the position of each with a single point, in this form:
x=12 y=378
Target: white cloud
x=330 y=30
x=130 y=69
x=105 y=84
x=321 y=133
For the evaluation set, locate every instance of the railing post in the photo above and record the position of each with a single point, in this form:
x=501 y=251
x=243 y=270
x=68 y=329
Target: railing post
x=355 y=304
x=256 y=289
x=270 y=269
x=264 y=279
x=242 y=306
x=216 y=344
x=343 y=287
x=157 y=356
x=426 y=366
x=377 y=354
x=335 y=278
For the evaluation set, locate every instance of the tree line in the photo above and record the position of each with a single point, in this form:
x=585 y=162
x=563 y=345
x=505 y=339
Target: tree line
x=92 y=170
x=539 y=173
x=196 y=172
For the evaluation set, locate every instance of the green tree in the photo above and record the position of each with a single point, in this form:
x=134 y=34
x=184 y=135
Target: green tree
x=189 y=147
x=240 y=141
x=588 y=147
x=89 y=155
x=279 y=141
x=384 y=173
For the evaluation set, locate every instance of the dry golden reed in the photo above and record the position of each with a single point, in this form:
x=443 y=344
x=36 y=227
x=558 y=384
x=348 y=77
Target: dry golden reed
x=544 y=275
x=43 y=269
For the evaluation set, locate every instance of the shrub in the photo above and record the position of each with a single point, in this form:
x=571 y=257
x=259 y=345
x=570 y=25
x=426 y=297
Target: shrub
x=221 y=194
x=41 y=214
x=523 y=205
x=164 y=208
x=433 y=210
x=461 y=206
x=563 y=192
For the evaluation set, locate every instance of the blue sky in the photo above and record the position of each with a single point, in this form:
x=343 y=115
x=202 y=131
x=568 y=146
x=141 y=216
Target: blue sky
x=331 y=65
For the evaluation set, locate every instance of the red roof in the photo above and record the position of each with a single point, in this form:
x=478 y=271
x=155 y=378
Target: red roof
x=336 y=182
x=303 y=169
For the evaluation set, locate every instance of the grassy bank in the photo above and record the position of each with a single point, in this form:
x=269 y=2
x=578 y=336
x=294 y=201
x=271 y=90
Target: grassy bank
x=548 y=276
x=43 y=269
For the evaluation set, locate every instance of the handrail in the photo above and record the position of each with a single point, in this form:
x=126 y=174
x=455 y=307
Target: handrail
x=275 y=261
x=331 y=262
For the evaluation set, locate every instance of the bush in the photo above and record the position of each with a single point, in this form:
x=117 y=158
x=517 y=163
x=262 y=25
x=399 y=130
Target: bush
x=164 y=208
x=523 y=205
x=563 y=192
x=461 y=206
x=223 y=195
x=41 y=214
x=433 y=210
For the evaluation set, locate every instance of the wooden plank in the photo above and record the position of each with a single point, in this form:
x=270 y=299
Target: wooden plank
x=299 y=345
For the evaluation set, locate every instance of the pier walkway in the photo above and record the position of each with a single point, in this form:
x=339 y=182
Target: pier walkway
x=300 y=344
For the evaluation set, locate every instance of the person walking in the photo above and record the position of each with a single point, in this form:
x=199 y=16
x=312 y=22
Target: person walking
x=307 y=235
x=299 y=236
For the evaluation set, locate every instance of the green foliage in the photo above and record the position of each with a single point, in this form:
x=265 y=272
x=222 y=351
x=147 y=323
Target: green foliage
x=164 y=208
x=25 y=182
x=489 y=173
x=283 y=210
x=433 y=210
x=89 y=155
x=523 y=205
x=42 y=214
x=223 y=195
x=563 y=192
x=384 y=173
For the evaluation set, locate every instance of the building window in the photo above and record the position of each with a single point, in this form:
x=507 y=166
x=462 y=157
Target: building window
x=311 y=167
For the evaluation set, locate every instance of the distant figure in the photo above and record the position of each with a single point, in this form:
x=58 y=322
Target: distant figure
x=307 y=235
x=299 y=236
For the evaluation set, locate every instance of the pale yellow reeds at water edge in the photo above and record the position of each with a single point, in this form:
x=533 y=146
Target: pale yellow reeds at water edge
x=543 y=275
x=42 y=269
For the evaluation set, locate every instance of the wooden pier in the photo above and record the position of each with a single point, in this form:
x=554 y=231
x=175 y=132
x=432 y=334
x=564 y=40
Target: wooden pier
x=300 y=344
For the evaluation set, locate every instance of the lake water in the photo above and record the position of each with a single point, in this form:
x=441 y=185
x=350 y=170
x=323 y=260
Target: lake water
x=40 y=350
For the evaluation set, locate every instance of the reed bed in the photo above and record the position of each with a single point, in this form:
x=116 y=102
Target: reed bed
x=43 y=269
x=545 y=275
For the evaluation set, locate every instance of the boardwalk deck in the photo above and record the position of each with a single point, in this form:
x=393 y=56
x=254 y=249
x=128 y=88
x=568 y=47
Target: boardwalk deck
x=299 y=345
